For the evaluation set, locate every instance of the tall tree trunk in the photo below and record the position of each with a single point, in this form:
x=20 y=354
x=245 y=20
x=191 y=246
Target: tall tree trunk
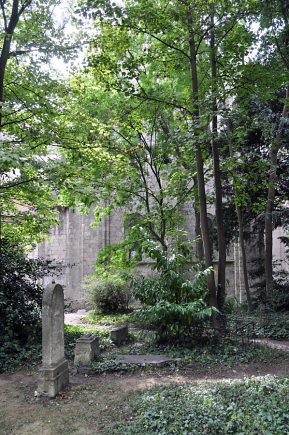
x=241 y=239
x=198 y=232
x=217 y=172
x=207 y=244
x=244 y=256
x=276 y=145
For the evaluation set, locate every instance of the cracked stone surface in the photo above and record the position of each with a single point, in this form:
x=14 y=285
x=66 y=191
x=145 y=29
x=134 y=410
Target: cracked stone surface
x=157 y=360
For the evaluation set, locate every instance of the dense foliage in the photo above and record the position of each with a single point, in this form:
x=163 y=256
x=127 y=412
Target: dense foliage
x=176 y=109
x=257 y=405
x=109 y=296
x=30 y=95
x=21 y=292
x=270 y=325
x=173 y=302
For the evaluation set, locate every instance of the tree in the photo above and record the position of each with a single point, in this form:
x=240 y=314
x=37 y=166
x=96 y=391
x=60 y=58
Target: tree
x=276 y=13
x=144 y=56
x=29 y=108
x=129 y=159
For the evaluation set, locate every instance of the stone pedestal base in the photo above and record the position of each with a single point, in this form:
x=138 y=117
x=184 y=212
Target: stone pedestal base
x=87 y=347
x=53 y=379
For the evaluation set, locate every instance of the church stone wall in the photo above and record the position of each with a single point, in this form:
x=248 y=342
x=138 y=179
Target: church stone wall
x=75 y=242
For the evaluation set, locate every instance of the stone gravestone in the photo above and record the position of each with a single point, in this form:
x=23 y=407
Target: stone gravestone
x=119 y=335
x=54 y=375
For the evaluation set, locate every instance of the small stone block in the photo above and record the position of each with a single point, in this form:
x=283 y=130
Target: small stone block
x=86 y=348
x=119 y=335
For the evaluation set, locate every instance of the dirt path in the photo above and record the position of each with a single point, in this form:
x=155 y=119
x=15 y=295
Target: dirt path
x=76 y=318
x=92 y=405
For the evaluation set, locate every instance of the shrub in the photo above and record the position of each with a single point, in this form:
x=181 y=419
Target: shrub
x=109 y=296
x=173 y=302
x=20 y=292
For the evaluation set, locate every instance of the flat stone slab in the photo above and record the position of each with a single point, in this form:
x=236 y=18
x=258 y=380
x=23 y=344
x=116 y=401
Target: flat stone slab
x=155 y=360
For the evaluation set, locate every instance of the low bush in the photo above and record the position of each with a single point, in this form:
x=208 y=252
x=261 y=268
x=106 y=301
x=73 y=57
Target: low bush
x=73 y=332
x=252 y=406
x=109 y=296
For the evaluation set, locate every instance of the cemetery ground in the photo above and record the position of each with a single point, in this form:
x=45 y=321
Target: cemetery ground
x=222 y=388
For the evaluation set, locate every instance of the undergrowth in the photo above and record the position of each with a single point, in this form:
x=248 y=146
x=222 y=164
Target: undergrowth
x=258 y=405
x=226 y=354
x=14 y=356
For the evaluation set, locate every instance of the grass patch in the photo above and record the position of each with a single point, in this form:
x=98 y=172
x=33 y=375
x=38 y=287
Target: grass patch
x=252 y=406
x=96 y=318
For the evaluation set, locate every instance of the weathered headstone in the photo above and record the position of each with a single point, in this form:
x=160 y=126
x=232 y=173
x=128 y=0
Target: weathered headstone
x=86 y=348
x=119 y=335
x=54 y=375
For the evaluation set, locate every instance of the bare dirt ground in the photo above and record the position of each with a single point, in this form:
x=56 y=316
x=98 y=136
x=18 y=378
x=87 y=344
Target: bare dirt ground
x=92 y=405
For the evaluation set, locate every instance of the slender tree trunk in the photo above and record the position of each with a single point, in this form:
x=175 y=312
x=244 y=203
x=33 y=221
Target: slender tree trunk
x=199 y=243
x=198 y=233
x=244 y=256
x=242 y=241
x=270 y=201
x=217 y=171
x=207 y=244
x=269 y=220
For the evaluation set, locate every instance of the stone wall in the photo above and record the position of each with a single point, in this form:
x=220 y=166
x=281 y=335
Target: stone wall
x=76 y=243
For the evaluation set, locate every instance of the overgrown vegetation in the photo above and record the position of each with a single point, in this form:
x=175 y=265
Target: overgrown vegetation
x=21 y=292
x=201 y=358
x=257 y=405
x=173 y=302
x=269 y=325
